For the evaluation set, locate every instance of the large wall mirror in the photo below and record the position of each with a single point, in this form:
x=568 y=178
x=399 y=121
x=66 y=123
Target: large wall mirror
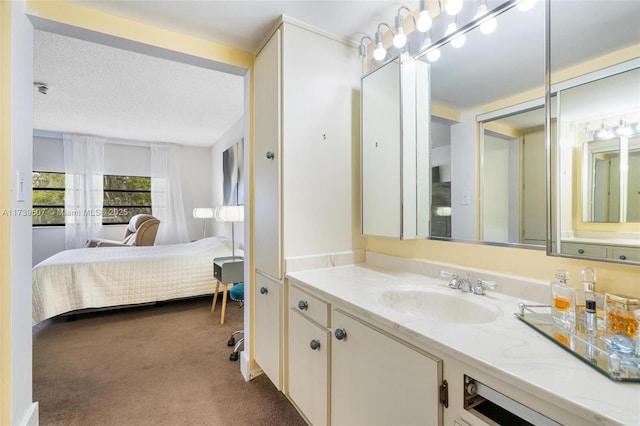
x=595 y=164
x=487 y=133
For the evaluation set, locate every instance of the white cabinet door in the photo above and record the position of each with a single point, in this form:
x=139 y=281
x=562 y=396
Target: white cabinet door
x=267 y=231
x=377 y=380
x=381 y=172
x=267 y=301
x=309 y=348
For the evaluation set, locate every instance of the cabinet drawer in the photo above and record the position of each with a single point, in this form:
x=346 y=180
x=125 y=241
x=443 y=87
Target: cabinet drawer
x=625 y=253
x=309 y=305
x=309 y=349
x=586 y=250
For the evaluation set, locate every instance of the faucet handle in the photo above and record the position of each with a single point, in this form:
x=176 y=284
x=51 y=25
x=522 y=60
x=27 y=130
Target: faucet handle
x=481 y=284
x=446 y=274
x=454 y=283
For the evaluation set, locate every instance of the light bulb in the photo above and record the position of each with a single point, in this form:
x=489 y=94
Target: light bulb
x=434 y=55
x=380 y=53
x=525 y=5
x=399 y=40
x=459 y=40
x=604 y=133
x=488 y=26
x=453 y=7
x=623 y=129
x=424 y=22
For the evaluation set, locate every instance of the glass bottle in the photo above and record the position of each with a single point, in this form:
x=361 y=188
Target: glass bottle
x=563 y=301
x=587 y=293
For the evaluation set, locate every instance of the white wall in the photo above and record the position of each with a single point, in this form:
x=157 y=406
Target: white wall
x=231 y=137
x=463 y=178
x=495 y=189
x=124 y=159
x=23 y=411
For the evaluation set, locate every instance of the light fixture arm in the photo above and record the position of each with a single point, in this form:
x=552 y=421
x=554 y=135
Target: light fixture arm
x=363 y=49
x=386 y=25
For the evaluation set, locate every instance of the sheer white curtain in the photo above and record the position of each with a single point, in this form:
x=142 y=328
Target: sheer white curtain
x=83 y=166
x=166 y=194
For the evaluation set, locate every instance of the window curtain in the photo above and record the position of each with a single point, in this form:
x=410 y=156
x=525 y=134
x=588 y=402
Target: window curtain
x=83 y=166
x=166 y=194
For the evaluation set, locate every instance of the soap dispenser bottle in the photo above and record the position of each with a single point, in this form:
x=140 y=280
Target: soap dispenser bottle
x=563 y=301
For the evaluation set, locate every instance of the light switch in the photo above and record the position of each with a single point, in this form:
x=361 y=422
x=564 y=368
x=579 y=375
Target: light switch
x=19 y=186
x=465 y=198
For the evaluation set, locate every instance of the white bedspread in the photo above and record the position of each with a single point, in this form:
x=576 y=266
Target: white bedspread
x=112 y=276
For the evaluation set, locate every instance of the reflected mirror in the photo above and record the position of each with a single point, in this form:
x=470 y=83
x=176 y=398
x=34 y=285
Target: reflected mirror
x=595 y=164
x=487 y=97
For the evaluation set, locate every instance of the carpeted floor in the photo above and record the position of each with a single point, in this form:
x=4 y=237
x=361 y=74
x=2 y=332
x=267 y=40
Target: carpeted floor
x=157 y=365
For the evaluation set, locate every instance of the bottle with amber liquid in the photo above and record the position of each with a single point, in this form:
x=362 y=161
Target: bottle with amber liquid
x=563 y=301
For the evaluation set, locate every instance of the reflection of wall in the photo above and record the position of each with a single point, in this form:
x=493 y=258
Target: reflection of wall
x=463 y=178
x=497 y=197
x=633 y=197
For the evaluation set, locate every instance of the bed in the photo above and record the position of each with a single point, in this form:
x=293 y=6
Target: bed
x=85 y=278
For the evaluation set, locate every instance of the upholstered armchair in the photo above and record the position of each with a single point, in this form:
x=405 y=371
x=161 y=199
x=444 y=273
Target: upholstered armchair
x=141 y=231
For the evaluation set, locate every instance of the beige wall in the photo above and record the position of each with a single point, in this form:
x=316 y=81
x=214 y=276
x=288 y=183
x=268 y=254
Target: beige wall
x=534 y=264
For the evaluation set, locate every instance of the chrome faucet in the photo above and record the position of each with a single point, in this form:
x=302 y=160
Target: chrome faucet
x=479 y=288
x=465 y=284
x=454 y=283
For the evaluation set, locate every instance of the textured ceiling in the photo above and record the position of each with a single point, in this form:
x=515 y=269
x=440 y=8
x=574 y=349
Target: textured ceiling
x=96 y=89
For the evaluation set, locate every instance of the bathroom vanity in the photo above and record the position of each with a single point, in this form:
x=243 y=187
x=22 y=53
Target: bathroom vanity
x=368 y=345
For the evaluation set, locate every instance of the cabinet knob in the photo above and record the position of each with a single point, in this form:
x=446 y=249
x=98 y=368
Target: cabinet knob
x=270 y=155
x=340 y=333
x=314 y=344
x=581 y=251
x=264 y=290
x=623 y=257
x=303 y=305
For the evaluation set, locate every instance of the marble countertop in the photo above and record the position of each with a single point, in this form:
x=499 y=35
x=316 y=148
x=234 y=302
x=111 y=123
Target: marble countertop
x=507 y=347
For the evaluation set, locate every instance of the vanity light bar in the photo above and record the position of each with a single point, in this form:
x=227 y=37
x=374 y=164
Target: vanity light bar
x=472 y=24
x=478 y=20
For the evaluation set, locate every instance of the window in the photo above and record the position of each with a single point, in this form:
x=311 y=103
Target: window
x=124 y=197
x=48 y=198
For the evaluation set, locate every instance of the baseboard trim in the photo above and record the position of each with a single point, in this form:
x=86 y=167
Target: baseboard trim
x=245 y=369
x=32 y=417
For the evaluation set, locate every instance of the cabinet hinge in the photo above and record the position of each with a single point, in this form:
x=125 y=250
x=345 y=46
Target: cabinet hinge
x=444 y=394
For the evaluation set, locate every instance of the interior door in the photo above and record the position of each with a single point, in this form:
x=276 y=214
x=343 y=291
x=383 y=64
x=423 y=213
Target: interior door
x=534 y=203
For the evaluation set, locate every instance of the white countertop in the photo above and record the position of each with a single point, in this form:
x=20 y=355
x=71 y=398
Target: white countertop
x=508 y=348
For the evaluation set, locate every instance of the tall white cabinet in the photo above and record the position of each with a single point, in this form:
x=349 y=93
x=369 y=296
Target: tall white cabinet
x=306 y=96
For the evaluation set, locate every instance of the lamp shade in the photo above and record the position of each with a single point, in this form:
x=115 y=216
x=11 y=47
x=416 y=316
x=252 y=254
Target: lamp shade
x=229 y=213
x=203 y=213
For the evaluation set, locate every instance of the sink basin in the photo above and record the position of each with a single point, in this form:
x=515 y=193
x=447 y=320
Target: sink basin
x=440 y=305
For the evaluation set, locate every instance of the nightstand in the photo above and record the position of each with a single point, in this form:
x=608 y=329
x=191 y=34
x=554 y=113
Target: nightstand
x=227 y=271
